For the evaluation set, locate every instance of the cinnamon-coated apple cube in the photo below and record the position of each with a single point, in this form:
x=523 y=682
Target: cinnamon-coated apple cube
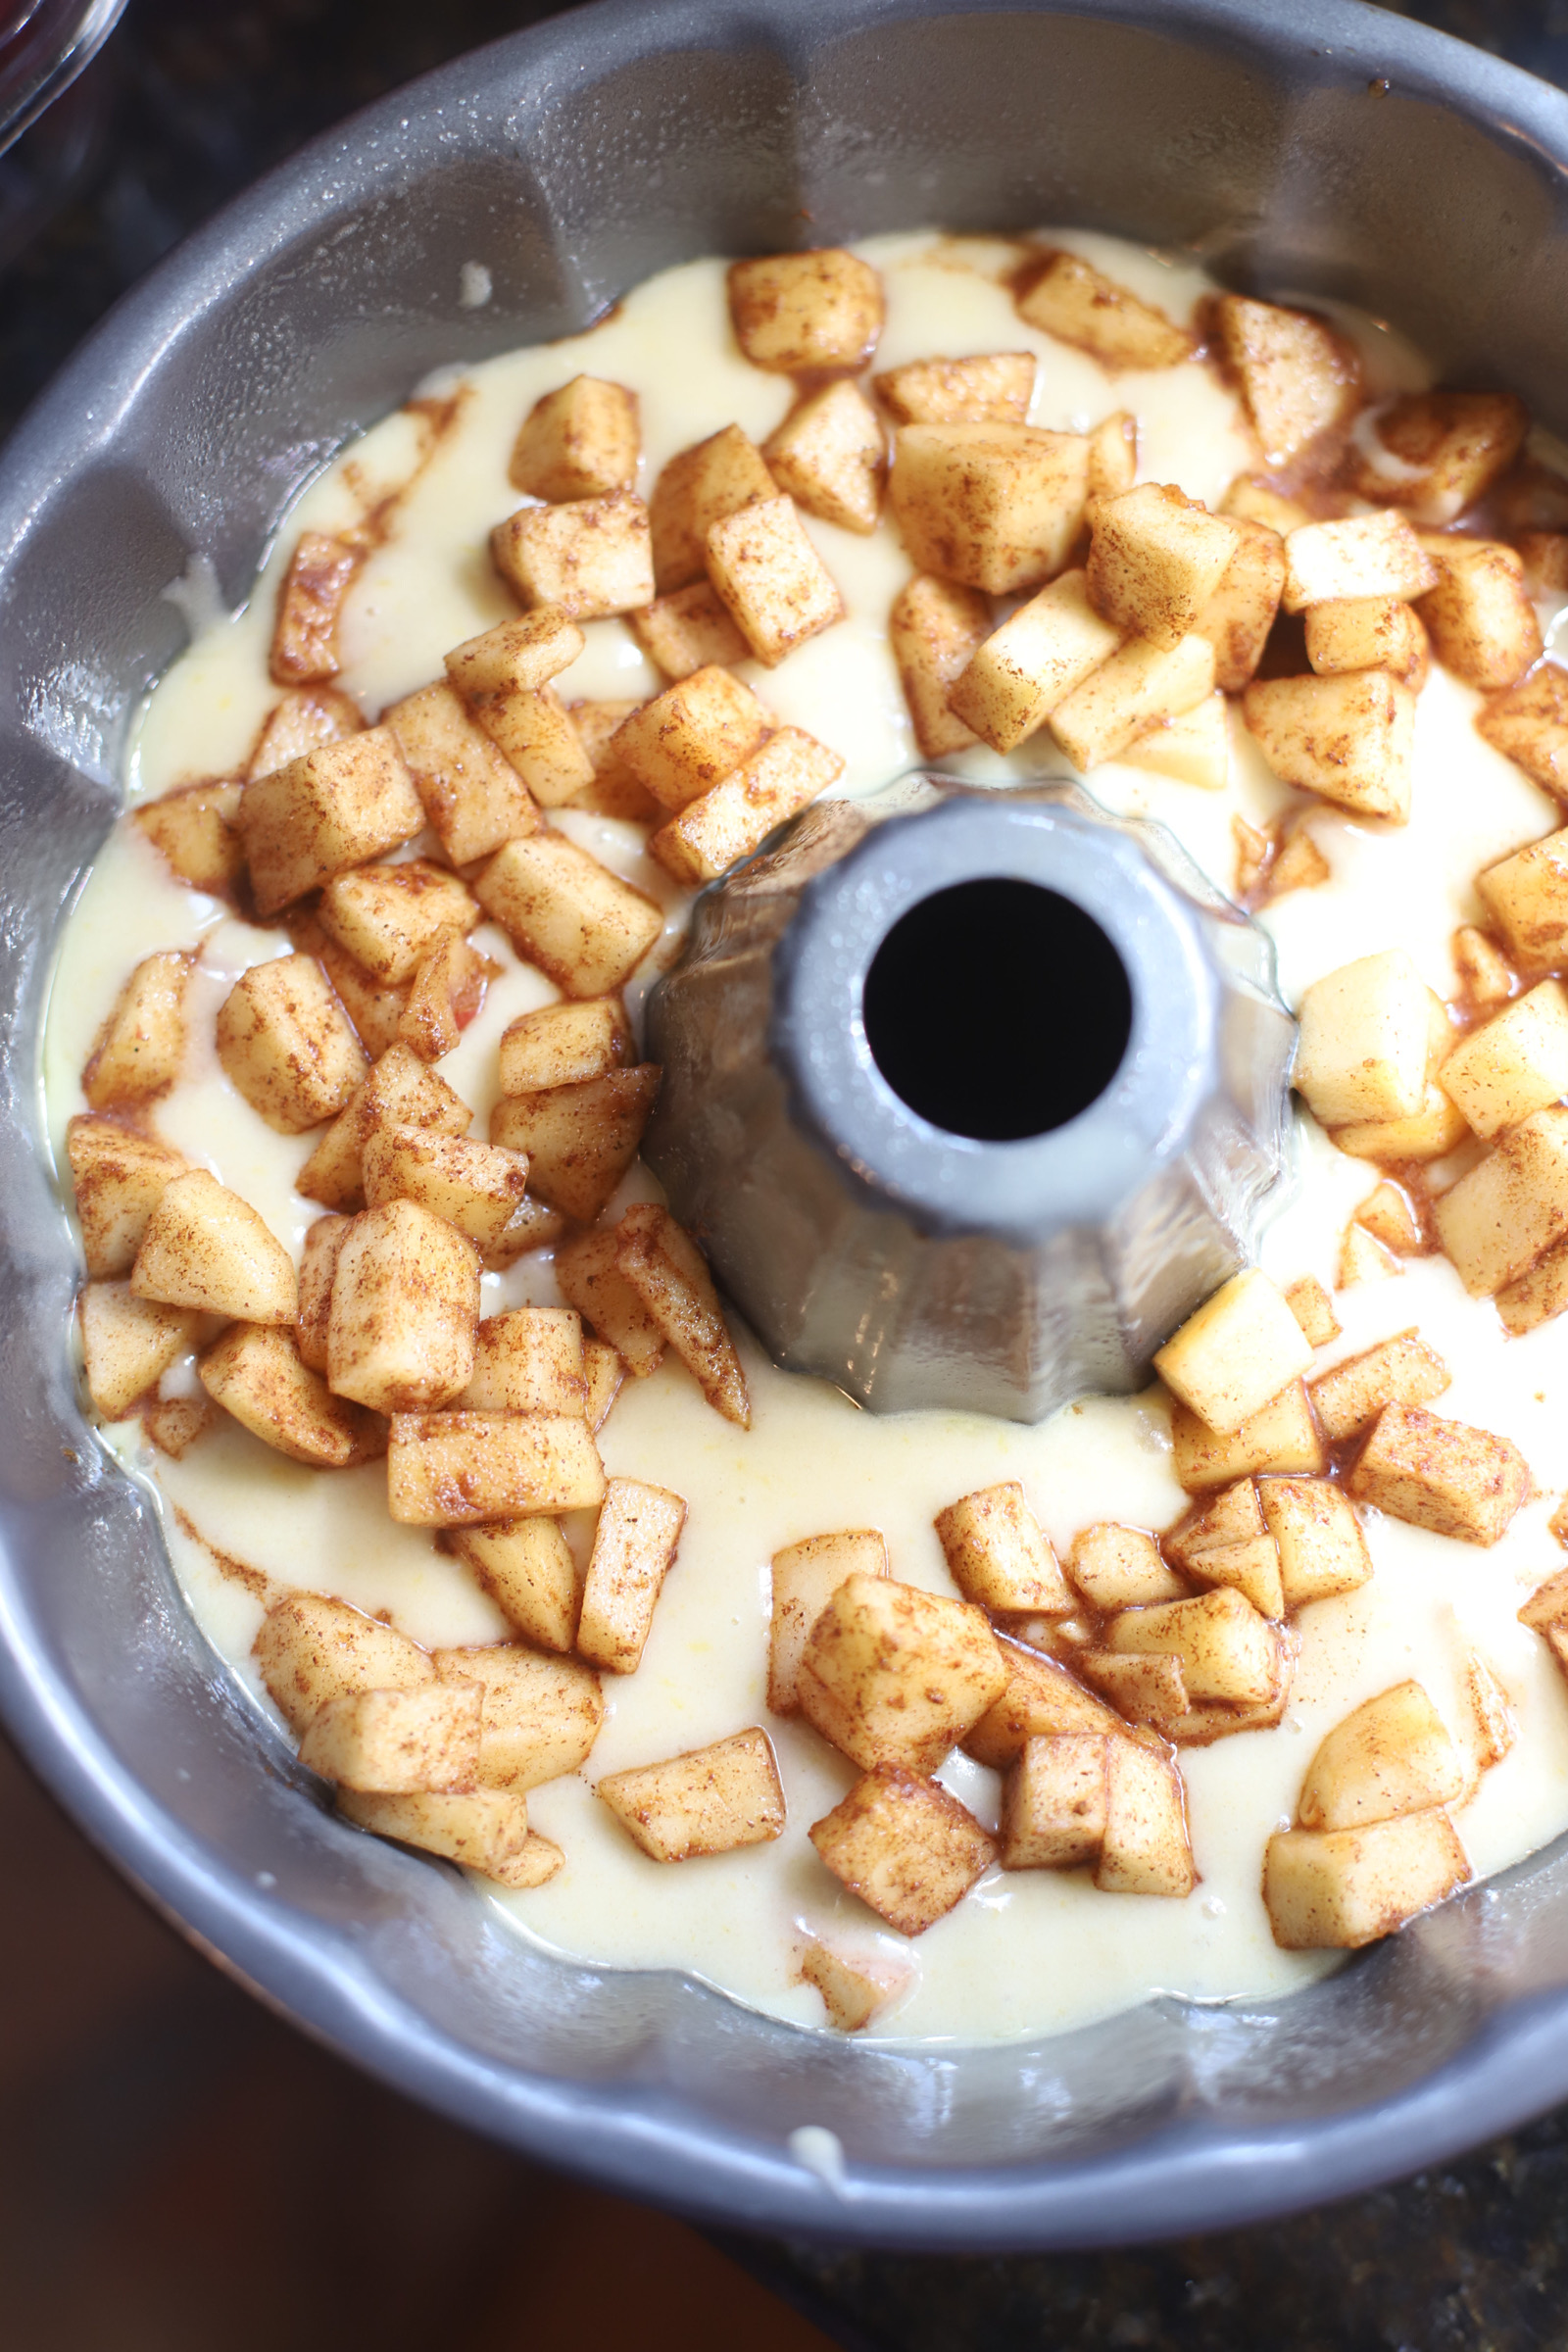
x=472 y=796
x=1296 y=378
x=389 y=917
x=669 y=1274
x=991 y=388
x=175 y=1424
x=603 y=1369
x=1402 y=1370
x=1544 y=557
x=579 y=441
x=483 y=1829
x=128 y=1344
x=527 y=1568
x=1142 y=1689
x=584 y=928
x=829 y=455
x=1529 y=725
x=529 y=1361
x=329 y=811
x=537 y=736
x=1022 y=670
x=995 y=506
x=1443 y=1475
x=591 y=1280
x=302 y=721
x=141 y=1044
x=854 y=1986
x=311 y=1650
x=1536 y=1296
x=1492 y=1728
x=693 y=735
x=1040 y=1699
x=1120 y=1568
x=1235 y=1353
x=1337 y=1890
x=1362 y=1258
x=1437 y=1128
x=536 y=1861
x=935 y=629
x=540 y=1716
x=711 y=1800
x=698 y=488
x=117 y=1174
x=999 y=1556
x=1053 y=1804
x=1119 y=701
x=405 y=1310
x=1194 y=747
x=615 y=789
x=565 y=1045
x=1392 y=1754
x=1241 y=610
x=689 y=629
x=904 y=1846
x=1155 y=559
x=257 y=1375
x=1079 y=304
x=1282 y=1435
x=634 y=1547
x=775 y=586
x=1368 y=632
x=1112 y=456
x=1359 y=555
x=1310 y=1302
x=318 y=1258
x=1226 y=1647
x=1484 y=974
x=534 y=1225
x=1528 y=893
x=516 y=657
x=1479 y=617
x=1350 y=739
x=806 y=1577
x=310 y=600
x=461 y=1469
x=588 y=558
x=1249 y=499
x=1317 y=1536
x=711 y=834
x=1364 y=1034
x=400 y=1092
x=1147 y=1848
x=894 y=1675
x=1548 y=1605
x=1514 y=1065
x=475 y=1187
x=1510 y=1207
x=798 y=312
x=580 y=1141
x=194 y=831
x=374 y=1006
x=1231 y=1516
x=1299 y=865
x=206 y=1248
x=447 y=991
x=287 y=1045
x=1387 y=1215
x=1448 y=447
x=1250 y=1567
x=397 y=1742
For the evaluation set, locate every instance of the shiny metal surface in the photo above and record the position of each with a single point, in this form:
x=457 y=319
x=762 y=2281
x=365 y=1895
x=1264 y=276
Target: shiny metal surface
x=572 y=160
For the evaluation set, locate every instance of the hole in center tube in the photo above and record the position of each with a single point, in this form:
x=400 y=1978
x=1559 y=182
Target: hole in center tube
x=996 y=1010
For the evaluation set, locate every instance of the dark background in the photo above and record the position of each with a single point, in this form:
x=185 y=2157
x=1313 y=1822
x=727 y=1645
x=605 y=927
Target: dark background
x=180 y=2171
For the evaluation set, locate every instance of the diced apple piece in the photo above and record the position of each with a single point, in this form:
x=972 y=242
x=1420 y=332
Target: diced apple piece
x=1241 y=610
x=1360 y=556
x=1529 y=725
x=634 y=1547
x=1147 y=1848
x=1299 y=865
x=1114 y=456
x=373 y=1008
x=446 y=993
x=989 y=505
x=475 y=1187
x=323 y=814
x=389 y=917
x=1393 y=1755
x=534 y=1225
x=1402 y=1370
x=1528 y=893
x=578 y=442
x=1297 y=376
x=935 y=630
x=1248 y=500
x=1155 y=559
x=1515 y=1066
x=1053 y=1804
x=194 y=831
x=1492 y=1728
x=733 y=820
x=529 y=1361
x=1232 y=1516
x=994 y=388
x=117 y=1174
x=1441 y=1475
x=206 y=1248
x=588 y=558
x=1125 y=695
x=1041 y=1700
x=773 y=583
x=1309 y=1301
x=829 y=455
x=1498 y=1219
x=711 y=1800
x=1281 y=1436
x=1363 y=1258
x=516 y=657
x=1348 y=739
x=1079 y=304
x=1479 y=619
x=1437 y=1128
x=688 y=630
x=1250 y=1567
x=1548 y=1605
x=1318 y=1538
x=483 y=1829
x=461 y=1469
x=536 y=734
x=1368 y=632
x=1120 y=1568
x=579 y=1140
x=175 y=1424
x=1337 y=1890
x=400 y=1092
x=1142 y=1689
x=668 y=1271
x=1447 y=450
x=894 y=1675
x=1363 y=1033
x=999 y=1556
x=472 y=796
x=591 y=1280
x=397 y=1742
x=854 y=1986
x=1537 y=1296
x=285 y=1042
x=584 y=928
x=1226 y=1647
x=405 y=1310
x=602 y=1374
x=1235 y=1353
x=541 y=1716
x=534 y=1864
x=256 y=1373
x=565 y=1045
x=806 y=1577
x=309 y=602
x=303 y=721
x=128 y=1344
x=1194 y=748
x=794 y=312
x=1387 y=1215
x=323 y=1241
x=311 y=1650
x=693 y=735
x=1544 y=557
x=698 y=488
x=141 y=1045
x=904 y=1846
x=1483 y=974
x=526 y=1567
x=1022 y=670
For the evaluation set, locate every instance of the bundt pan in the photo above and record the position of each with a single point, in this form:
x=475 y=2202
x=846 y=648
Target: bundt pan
x=1315 y=147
